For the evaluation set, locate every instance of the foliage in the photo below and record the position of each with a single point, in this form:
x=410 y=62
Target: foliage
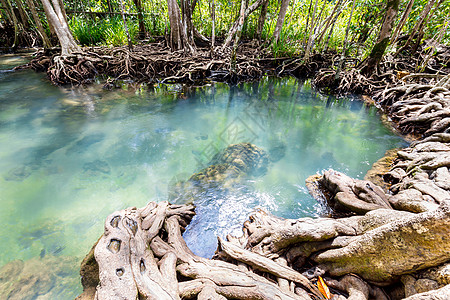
x=94 y=22
x=108 y=31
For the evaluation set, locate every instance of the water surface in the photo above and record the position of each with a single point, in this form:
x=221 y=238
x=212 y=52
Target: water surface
x=71 y=156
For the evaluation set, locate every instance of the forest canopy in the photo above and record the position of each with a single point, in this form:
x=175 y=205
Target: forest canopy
x=99 y=22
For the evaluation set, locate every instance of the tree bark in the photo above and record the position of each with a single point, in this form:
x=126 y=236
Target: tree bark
x=130 y=44
x=262 y=19
x=138 y=5
x=341 y=60
x=13 y=18
x=402 y=22
x=370 y=64
x=422 y=18
x=310 y=33
x=23 y=15
x=280 y=21
x=178 y=32
x=56 y=18
x=45 y=40
x=234 y=28
x=238 y=35
x=213 y=25
x=329 y=21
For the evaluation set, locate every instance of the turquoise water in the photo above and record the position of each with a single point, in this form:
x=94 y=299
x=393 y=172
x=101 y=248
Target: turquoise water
x=71 y=156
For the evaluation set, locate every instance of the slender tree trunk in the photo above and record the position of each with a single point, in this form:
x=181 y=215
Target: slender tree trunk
x=213 y=25
x=291 y=15
x=130 y=44
x=234 y=28
x=280 y=21
x=422 y=18
x=56 y=18
x=238 y=35
x=402 y=22
x=344 y=48
x=23 y=15
x=138 y=5
x=307 y=22
x=328 y=21
x=262 y=19
x=310 y=36
x=370 y=64
x=435 y=43
x=10 y=12
x=327 y=43
x=45 y=40
x=422 y=27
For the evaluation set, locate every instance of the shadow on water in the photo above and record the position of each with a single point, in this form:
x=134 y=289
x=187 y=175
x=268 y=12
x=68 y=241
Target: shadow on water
x=71 y=156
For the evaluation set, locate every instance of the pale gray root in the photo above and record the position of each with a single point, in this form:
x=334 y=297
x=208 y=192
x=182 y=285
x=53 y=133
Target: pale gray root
x=411 y=200
x=298 y=254
x=356 y=288
x=142 y=253
x=399 y=247
x=439 y=294
x=127 y=267
x=235 y=284
x=269 y=235
x=354 y=195
x=266 y=264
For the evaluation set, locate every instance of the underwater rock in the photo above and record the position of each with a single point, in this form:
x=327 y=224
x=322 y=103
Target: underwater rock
x=18 y=174
x=84 y=143
x=248 y=158
x=38 y=278
x=89 y=275
x=225 y=170
x=97 y=167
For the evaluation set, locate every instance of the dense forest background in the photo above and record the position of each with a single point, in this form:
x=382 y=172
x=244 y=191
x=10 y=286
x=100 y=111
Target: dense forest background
x=99 y=22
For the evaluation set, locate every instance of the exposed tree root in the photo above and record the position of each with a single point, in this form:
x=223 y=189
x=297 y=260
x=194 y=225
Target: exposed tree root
x=156 y=62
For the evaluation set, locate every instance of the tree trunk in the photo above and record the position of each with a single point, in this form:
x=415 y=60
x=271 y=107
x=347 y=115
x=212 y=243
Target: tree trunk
x=329 y=21
x=45 y=40
x=402 y=22
x=130 y=44
x=138 y=5
x=344 y=48
x=178 y=32
x=327 y=43
x=280 y=21
x=422 y=18
x=238 y=35
x=23 y=14
x=188 y=27
x=213 y=25
x=234 y=28
x=370 y=64
x=10 y=12
x=262 y=19
x=310 y=33
x=56 y=18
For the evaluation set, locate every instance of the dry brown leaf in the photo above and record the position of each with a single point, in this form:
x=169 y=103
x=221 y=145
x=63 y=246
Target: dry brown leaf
x=323 y=288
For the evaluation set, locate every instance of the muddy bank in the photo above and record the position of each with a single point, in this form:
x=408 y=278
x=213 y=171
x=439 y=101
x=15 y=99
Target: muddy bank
x=155 y=62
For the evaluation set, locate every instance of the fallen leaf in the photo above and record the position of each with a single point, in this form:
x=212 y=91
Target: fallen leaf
x=323 y=288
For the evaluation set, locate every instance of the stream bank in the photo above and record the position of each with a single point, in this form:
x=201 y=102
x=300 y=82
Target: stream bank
x=388 y=242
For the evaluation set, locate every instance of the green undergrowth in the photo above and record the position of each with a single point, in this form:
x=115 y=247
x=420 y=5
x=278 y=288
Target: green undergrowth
x=108 y=31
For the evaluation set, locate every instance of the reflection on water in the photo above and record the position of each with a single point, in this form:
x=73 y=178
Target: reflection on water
x=69 y=157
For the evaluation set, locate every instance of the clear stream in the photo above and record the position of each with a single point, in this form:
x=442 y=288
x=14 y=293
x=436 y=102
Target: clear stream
x=71 y=156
